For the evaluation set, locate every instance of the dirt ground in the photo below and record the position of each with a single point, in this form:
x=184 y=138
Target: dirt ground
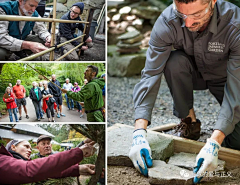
x=122 y=175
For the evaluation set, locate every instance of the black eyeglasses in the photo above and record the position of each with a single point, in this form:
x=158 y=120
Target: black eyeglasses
x=74 y=12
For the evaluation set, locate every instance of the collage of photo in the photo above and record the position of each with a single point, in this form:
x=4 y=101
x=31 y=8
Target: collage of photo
x=119 y=92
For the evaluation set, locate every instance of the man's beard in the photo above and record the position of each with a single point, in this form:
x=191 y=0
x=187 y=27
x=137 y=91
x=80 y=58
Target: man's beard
x=199 y=25
x=26 y=13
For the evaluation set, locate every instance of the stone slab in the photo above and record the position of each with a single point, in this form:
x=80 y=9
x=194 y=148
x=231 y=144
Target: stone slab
x=187 y=160
x=120 y=141
x=127 y=64
x=162 y=173
x=129 y=35
x=120 y=44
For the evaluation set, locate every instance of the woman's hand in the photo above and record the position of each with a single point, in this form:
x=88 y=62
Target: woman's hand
x=86 y=169
x=88 y=149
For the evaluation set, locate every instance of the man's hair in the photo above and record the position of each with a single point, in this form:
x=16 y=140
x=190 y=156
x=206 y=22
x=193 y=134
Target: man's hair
x=94 y=69
x=191 y=1
x=45 y=82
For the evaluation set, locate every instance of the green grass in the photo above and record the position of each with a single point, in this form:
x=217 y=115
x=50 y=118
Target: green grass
x=89 y=160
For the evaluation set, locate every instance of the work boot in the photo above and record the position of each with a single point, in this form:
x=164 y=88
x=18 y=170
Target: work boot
x=188 y=129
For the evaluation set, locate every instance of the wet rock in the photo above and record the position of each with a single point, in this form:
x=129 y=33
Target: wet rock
x=162 y=173
x=128 y=46
x=116 y=17
x=187 y=160
x=61 y=1
x=125 y=10
x=133 y=40
x=129 y=35
x=120 y=141
x=146 y=12
x=125 y=65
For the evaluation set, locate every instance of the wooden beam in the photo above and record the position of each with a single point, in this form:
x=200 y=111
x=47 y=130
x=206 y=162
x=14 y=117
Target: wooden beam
x=230 y=156
x=88 y=26
x=36 y=19
x=51 y=58
x=163 y=127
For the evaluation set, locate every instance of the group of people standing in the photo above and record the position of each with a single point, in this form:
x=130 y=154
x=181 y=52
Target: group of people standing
x=45 y=96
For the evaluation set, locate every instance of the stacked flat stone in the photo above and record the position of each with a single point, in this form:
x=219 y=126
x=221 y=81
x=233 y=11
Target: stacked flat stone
x=129 y=42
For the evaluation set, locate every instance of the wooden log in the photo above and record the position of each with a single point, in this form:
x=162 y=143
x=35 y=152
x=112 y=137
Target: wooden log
x=51 y=58
x=88 y=26
x=230 y=156
x=35 y=19
x=163 y=127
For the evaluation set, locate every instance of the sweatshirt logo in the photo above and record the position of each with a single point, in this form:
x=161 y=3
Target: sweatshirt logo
x=216 y=47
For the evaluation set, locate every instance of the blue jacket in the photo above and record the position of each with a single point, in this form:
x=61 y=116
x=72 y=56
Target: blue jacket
x=11 y=8
x=67 y=30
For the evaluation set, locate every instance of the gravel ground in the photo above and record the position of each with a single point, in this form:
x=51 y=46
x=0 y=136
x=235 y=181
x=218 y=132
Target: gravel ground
x=121 y=109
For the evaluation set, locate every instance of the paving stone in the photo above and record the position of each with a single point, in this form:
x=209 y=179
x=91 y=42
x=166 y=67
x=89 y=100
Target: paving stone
x=120 y=141
x=187 y=160
x=162 y=173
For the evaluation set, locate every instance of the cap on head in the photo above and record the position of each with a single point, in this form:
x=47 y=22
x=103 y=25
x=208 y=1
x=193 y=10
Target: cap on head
x=13 y=142
x=43 y=137
x=79 y=5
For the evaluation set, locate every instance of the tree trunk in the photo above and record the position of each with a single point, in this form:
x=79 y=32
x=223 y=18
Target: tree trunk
x=100 y=163
x=1 y=66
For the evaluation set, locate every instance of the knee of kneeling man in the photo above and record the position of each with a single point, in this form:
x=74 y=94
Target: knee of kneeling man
x=177 y=60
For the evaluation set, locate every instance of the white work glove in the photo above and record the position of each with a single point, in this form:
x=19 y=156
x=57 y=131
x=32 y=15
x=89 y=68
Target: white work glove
x=140 y=152
x=207 y=159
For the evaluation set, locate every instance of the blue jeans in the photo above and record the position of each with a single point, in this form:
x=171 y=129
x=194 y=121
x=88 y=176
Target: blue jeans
x=79 y=107
x=15 y=114
x=71 y=102
x=38 y=110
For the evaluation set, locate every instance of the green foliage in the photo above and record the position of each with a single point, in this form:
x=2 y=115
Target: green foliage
x=56 y=147
x=3 y=142
x=89 y=160
x=60 y=132
x=33 y=145
x=2 y=104
x=236 y=2
x=28 y=88
x=61 y=149
x=95 y=132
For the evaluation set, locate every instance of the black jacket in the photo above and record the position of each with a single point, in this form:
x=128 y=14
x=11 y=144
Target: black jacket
x=33 y=96
x=56 y=92
x=67 y=30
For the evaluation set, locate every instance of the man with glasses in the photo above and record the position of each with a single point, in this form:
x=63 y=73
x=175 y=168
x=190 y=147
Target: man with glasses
x=206 y=37
x=67 y=31
x=15 y=36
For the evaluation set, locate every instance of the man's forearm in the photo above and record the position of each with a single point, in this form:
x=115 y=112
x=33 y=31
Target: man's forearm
x=26 y=45
x=218 y=136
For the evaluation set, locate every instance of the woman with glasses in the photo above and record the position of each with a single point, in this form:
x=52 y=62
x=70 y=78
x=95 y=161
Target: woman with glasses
x=17 y=168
